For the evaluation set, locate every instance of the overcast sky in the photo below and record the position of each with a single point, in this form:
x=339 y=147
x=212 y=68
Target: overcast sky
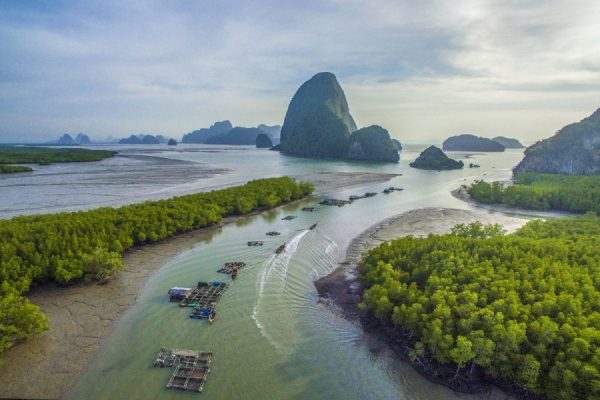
x=424 y=70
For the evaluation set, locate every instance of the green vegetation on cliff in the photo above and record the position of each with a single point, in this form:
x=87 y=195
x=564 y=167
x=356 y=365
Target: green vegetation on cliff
x=372 y=143
x=523 y=307
x=434 y=159
x=573 y=150
x=542 y=192
x=46 y=155
x=318 y=124
x=11 y=169
x=87 y=245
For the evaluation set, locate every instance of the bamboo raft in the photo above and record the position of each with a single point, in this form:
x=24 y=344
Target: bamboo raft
x=191 y=368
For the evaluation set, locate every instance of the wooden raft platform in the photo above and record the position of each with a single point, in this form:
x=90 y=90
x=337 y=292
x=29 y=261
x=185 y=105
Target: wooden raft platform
x=191 y=368
x=206 y=294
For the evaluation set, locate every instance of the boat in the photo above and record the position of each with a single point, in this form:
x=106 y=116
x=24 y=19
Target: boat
x=273 y=233
x=308 y=209
x=178 y=293
x=280 y=249
x=313 y=226
x=255 y=243
x=288 y=218
x=212 y=316
x=370 y=194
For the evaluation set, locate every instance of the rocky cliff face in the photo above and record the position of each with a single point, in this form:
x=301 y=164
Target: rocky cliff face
x=318 y=124
x=434 y=158
x=468 y=142
x=372 y=143
x=573 y=150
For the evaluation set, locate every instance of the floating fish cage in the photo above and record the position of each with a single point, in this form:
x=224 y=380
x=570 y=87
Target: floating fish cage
x=191 y=368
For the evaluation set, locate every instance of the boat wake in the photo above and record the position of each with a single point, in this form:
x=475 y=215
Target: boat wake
x=271 y=282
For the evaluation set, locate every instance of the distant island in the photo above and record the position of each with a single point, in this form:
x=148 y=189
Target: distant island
x=236 y=136
x=469 y=142
x=223 y=132
x=263 y=141
x=144 y=139
x=573 y=150
x=67 y=140
x=172 y=142
x=318 y=124
x=508 y=143
x=273 y=131
x=433 y=158
x=203 y=134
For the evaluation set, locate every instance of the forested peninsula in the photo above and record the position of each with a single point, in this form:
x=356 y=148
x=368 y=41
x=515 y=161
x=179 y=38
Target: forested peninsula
x=46 y=155
x=84 y=246
x=578 y=194
x=519 y=309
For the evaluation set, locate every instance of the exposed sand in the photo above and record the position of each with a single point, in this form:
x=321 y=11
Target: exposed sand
x=341 y=289
x=329 y=182
x=81 y=317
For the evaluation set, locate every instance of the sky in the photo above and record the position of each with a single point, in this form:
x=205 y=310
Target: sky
x=424 y=70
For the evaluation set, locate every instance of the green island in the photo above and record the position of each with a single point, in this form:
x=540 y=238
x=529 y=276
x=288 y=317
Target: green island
x=11 y=169
x=71 y=247
x=538 y=191
x=47 y=155
x=479 y=305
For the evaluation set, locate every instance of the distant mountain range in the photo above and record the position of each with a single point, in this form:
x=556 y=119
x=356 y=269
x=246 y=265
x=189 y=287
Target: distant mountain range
x=144 y=139
x=223 y=132
x=67 y=140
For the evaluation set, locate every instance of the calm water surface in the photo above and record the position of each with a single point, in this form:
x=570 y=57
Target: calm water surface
x=272 y=338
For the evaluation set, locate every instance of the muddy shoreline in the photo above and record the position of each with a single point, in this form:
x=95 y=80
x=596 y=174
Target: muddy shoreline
x=342 y=290
x=81 y=317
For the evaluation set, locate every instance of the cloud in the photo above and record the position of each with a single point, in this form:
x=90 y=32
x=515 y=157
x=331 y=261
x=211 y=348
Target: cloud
x=423 y=70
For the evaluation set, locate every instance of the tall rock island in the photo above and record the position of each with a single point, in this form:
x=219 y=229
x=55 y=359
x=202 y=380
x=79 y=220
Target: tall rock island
x=573 y=150
x=318 y=124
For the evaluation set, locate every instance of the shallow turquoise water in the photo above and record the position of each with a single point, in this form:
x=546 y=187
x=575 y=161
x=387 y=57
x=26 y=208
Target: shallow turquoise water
x=272 y=338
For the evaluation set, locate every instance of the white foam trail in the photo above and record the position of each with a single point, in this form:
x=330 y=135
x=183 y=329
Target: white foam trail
x=275 y=264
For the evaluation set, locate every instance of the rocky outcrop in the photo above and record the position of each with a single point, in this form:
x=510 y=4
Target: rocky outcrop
x=273 y=131
x=318 y=124
x=202 y=135
x=573 y=150
x=372 y=143
x=172 y=142
x=397 y=144
x=263 y=141
x=433 y=158
x=471 y=143
x=508 y=143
